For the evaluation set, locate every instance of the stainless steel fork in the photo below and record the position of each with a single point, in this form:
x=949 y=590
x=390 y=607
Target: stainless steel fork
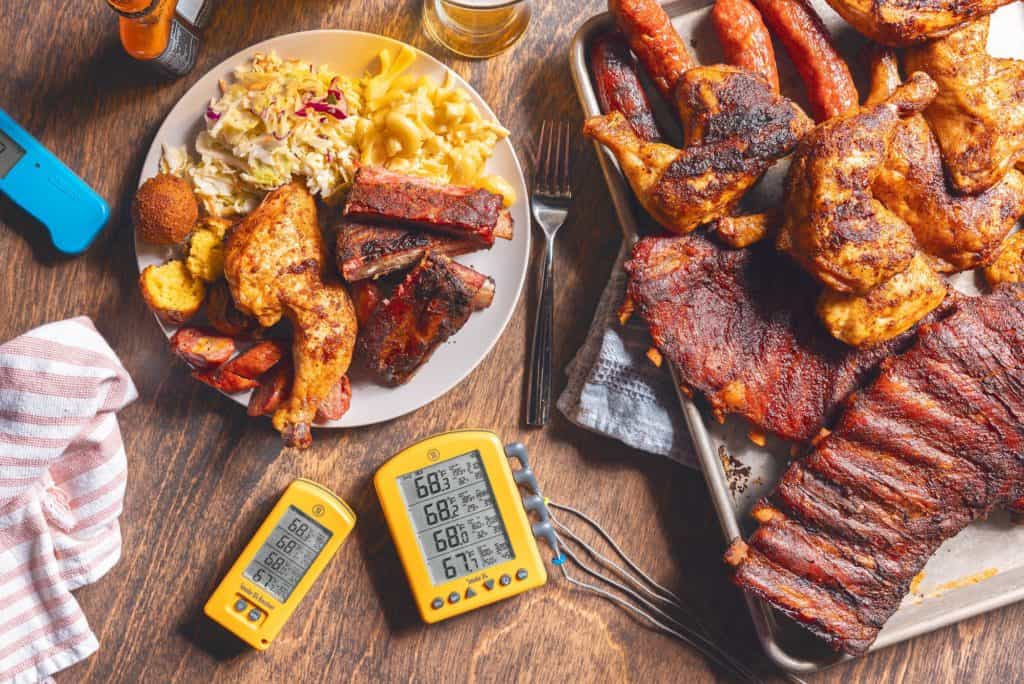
x=550 y=203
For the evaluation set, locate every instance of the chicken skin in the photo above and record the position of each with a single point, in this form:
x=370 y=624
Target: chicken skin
x=834 y=225
x=735 y=128
x=273 y=265
x=960 y=232
x=906 y=22
x=1008 y=267
x=886 y=311
x=978 y=114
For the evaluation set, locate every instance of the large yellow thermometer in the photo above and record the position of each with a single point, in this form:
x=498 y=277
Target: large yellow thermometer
x=460 y=523
x=281 y=562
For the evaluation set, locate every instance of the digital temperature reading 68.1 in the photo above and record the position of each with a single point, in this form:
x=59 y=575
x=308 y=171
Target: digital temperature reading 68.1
x=284 y=558
x=455 y=518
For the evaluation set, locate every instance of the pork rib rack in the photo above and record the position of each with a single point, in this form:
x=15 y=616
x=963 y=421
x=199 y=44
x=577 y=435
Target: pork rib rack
x=429 y=306
x=382 y=196
x=739 y=326
x=934 y=443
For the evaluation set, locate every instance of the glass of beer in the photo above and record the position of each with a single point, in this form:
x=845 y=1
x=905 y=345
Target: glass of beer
x=476 y=28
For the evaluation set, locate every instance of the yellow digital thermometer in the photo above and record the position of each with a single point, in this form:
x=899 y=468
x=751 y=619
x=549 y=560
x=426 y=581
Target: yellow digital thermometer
x=459 y=522
x=280 y=563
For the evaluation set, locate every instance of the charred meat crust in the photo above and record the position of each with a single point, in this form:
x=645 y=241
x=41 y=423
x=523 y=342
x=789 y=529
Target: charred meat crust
x=382 y=196
x=933 y=444
x=369 y=251
x=739 y=326
x=429 y=306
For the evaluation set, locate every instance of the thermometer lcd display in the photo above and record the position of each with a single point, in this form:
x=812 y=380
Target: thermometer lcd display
x=284 y=558
x=10 y=153
x=455 y=517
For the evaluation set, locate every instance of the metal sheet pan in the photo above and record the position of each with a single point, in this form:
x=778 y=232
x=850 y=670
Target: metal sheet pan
x=979 y=570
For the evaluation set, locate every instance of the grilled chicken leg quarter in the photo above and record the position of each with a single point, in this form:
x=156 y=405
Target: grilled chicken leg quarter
x=905 y=22
x=959 y=232
x=273 y=266
x=735 y=128
x=834 y=226
x=978 y=114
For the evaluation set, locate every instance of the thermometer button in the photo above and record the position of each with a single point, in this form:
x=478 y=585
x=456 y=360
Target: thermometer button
x=241 y=605
x=488 y=584
x=521 y=574
x=437 y=603
x=454 y=597
x=470 y=593
x=254 y=615
x=505 y=580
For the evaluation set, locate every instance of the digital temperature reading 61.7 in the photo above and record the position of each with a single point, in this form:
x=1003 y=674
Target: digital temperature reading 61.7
x=286 y=555
x=455 y=518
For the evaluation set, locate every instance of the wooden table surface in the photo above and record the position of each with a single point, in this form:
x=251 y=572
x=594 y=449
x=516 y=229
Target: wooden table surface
x=202 y=475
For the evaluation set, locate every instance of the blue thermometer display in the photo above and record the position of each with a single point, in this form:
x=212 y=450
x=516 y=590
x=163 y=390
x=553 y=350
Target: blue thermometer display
x=40 y=184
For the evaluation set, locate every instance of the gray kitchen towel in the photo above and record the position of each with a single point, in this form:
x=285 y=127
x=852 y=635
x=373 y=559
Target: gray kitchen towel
x=616 y=391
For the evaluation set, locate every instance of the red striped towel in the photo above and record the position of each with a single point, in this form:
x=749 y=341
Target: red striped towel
x=62 y=478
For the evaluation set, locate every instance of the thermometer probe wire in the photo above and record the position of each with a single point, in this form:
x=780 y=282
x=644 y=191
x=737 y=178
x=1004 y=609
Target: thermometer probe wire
x=686 y=635
x=666 y=593
x=609 y=563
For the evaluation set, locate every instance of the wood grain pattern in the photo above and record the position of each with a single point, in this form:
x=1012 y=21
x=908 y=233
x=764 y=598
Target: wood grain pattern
x=202 y=475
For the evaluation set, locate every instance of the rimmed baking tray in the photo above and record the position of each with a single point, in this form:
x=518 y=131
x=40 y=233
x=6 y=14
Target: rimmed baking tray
x=979 y=570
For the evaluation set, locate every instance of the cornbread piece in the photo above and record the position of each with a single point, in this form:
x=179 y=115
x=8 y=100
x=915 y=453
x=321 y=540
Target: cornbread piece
x=432 y=304
x=740 y=326
x=930 y=446
x=206 y=249
x=171 y=291
x=369 y=251
x=382 y=196
x=164 y=210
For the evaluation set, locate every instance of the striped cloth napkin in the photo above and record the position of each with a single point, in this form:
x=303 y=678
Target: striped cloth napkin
x=62 y=479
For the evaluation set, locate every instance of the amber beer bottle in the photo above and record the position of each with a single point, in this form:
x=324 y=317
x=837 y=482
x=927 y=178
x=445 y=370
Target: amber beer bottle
x=151 y=33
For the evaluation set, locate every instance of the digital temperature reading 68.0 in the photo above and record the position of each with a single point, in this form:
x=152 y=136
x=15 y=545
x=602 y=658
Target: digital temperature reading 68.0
x=284 y=558
x=455 y=518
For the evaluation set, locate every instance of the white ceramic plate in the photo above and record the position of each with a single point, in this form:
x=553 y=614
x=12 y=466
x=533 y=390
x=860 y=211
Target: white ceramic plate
x=353 y=52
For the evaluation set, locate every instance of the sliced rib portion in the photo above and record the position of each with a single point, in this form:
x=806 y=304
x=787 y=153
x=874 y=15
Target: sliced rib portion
x=366 y=250
x=382 y=196
x=429 y=306
x=936 y=442
x=739 y=326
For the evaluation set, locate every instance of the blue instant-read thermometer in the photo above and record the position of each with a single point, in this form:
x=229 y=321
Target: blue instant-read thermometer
x=41 y=185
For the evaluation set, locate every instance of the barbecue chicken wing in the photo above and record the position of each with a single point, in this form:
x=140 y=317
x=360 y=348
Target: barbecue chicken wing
x=735 y=127
x=273 y=266
x=978 y=114
x=960 y=232
x=834 y=226
x=905 y=22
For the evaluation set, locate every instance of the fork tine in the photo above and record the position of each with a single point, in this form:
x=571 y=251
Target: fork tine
x=555 y=164
x=538 y=158
x=550 y=148
x=564 y=186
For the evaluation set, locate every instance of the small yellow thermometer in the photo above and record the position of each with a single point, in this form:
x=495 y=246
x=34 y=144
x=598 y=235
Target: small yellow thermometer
x=280 y=563
x=459 y=521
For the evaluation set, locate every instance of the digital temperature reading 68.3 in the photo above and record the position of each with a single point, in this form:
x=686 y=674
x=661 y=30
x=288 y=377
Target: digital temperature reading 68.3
x=286 y=555
x=455 y=517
